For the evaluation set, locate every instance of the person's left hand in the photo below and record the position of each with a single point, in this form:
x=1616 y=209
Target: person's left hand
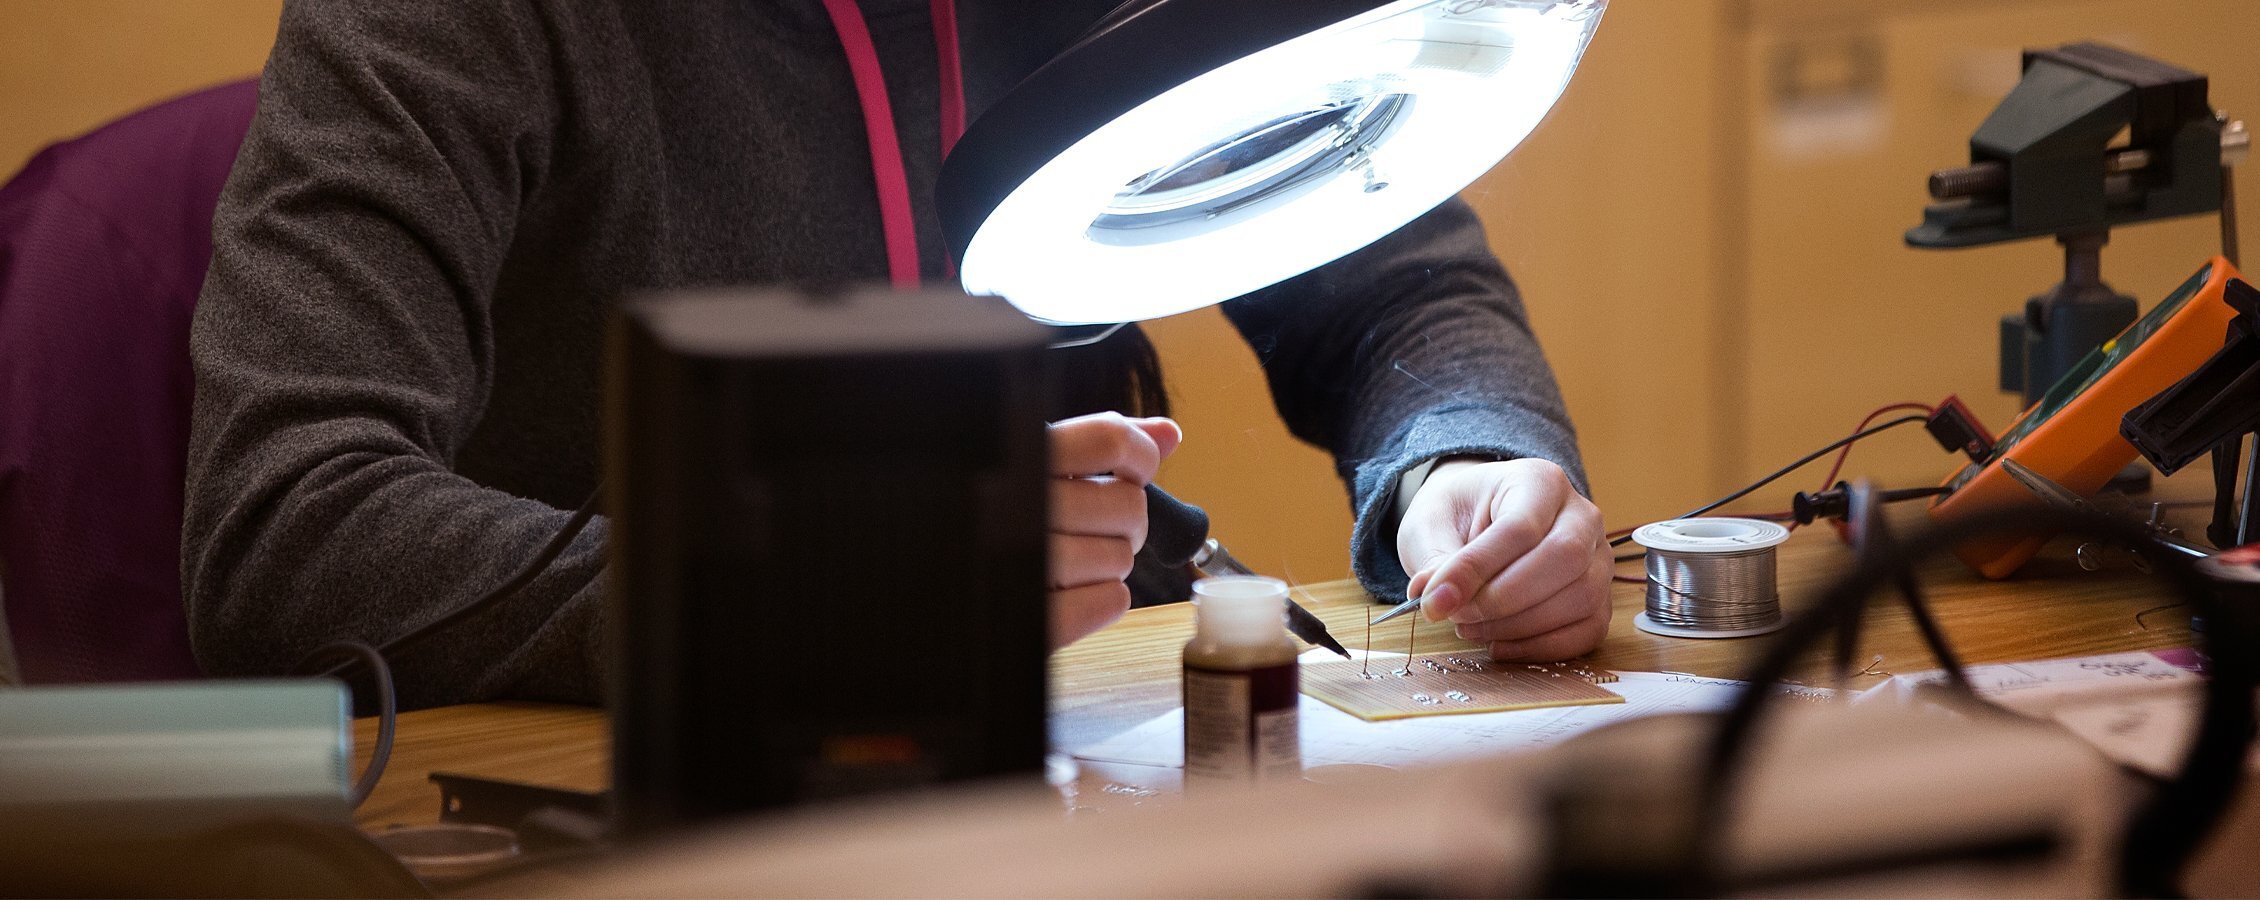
x=1511 y=554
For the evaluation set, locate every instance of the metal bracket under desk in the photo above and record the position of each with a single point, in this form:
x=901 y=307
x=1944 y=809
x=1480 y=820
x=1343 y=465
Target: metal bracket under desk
x=471 y=800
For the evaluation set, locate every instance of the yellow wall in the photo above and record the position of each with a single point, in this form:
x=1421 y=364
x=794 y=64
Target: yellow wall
x=1716 y=272
x=1844 y=316
x=69 y=65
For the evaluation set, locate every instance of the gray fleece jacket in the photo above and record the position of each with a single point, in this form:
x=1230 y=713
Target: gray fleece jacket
x=396 y=352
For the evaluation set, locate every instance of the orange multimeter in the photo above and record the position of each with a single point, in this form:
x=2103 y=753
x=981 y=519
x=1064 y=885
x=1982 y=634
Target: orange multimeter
x=2072 y=434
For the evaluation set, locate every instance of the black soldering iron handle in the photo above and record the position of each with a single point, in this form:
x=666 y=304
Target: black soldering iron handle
x=1175 y=530
x=1177 y=535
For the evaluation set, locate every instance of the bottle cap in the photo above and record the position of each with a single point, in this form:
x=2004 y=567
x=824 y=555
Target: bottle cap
x=1240 y=608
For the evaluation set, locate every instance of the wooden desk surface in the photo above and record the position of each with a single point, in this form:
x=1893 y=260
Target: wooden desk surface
x=1128 y=673
x=535 y=743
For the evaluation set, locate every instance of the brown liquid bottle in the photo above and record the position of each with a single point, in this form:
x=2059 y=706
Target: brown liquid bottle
x=1241 y=686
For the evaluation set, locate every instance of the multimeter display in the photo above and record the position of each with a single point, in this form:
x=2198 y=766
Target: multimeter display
x=2094 y=366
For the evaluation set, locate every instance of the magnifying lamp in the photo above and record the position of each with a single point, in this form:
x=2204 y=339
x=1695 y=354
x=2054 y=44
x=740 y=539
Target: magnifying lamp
x=1184 y=152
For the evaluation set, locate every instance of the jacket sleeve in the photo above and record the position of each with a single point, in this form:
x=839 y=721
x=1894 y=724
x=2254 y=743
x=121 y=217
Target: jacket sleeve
x=1413 y=348
x=343 y=352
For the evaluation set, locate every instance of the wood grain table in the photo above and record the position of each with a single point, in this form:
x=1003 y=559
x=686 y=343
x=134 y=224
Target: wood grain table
x=1128 y=672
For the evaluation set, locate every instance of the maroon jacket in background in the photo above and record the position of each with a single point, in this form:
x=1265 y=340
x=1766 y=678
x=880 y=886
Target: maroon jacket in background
x=103 y=245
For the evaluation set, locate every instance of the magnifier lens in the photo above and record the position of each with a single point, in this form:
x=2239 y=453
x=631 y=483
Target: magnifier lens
x=1262 y=165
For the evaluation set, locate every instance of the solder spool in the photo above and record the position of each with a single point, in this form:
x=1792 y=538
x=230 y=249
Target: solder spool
x=1710 y=578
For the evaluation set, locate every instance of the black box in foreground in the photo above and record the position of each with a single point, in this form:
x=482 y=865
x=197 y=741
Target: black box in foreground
x=828 y=547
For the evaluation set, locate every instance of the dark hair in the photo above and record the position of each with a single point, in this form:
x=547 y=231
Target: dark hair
x=1121 y=373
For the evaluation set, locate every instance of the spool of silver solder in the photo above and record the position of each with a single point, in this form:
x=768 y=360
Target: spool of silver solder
x=1710 y=578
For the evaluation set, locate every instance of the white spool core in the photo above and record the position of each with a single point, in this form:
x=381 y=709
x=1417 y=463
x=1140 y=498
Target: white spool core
x=1710 y=535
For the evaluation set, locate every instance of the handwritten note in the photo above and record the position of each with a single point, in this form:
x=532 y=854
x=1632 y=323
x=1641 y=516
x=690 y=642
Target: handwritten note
x=2040 y=687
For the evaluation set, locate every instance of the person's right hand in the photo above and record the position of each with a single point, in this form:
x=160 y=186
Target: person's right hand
x=1101 y=464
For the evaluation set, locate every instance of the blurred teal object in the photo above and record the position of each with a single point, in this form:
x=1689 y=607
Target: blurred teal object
x=160 y=759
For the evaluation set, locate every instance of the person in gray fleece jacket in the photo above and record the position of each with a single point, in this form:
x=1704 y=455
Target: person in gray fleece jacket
x=397 y=349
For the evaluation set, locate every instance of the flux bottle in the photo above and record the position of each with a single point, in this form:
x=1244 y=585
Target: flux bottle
x=1241 y=686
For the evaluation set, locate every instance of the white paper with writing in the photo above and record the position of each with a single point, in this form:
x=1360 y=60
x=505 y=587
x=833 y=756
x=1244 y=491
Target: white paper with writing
x=1333 y=737
x=2040 y=687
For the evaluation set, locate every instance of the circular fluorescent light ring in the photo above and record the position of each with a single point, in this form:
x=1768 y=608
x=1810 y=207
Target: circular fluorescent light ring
x=1255 y=141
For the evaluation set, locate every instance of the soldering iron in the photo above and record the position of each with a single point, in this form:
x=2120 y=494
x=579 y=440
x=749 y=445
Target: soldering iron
x=1177 y=535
